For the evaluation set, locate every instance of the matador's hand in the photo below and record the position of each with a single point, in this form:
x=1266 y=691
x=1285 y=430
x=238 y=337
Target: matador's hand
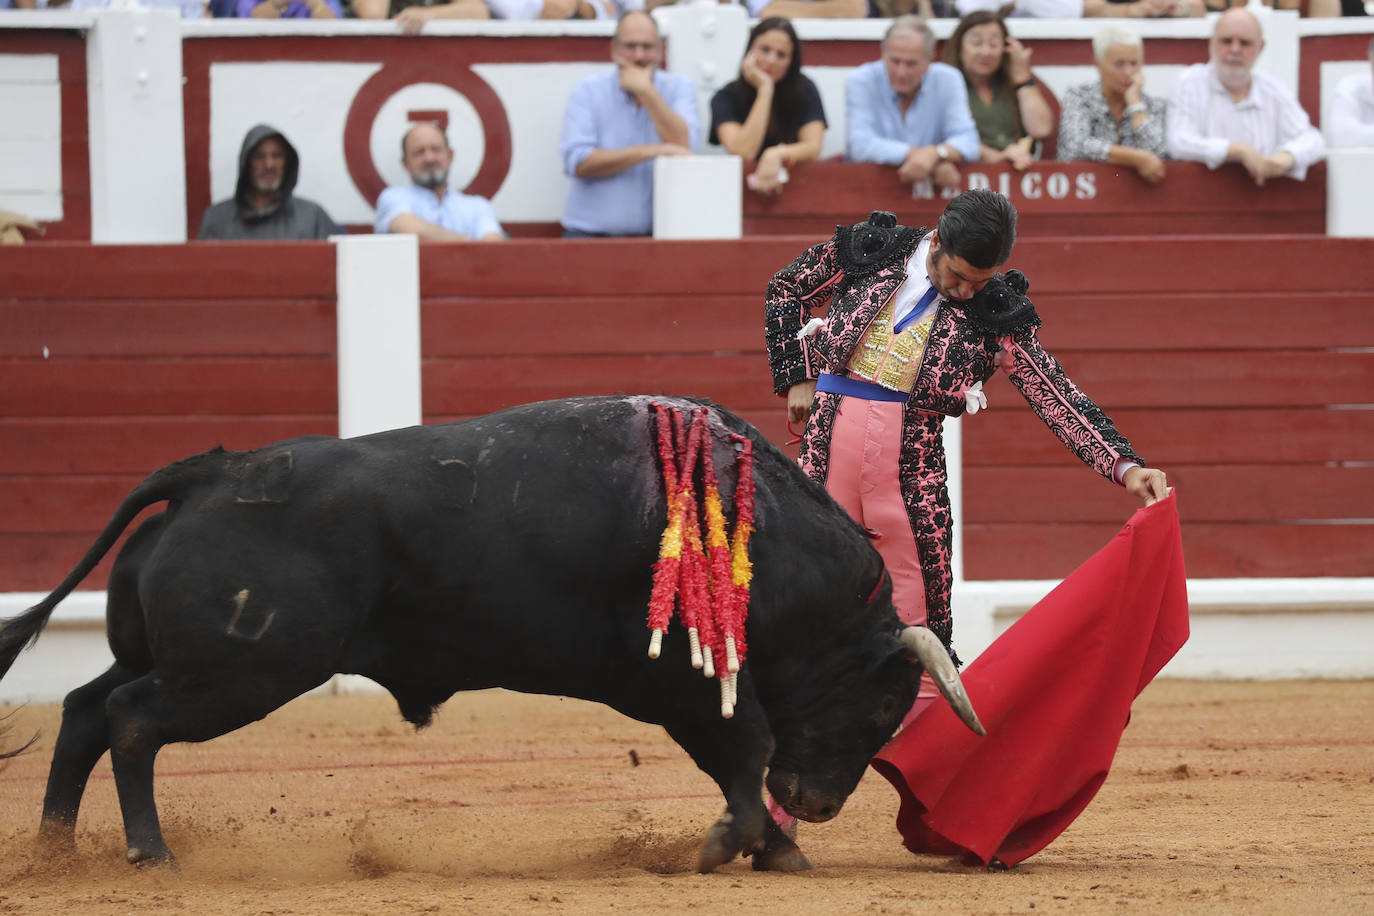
x=799 y=400
x=1146 y=484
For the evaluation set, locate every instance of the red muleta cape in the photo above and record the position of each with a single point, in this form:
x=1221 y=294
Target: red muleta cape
x=1055 y=693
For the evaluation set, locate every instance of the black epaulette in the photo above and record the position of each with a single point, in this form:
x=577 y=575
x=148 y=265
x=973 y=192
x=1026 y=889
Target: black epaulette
x=1002 y=306
x=877 y=243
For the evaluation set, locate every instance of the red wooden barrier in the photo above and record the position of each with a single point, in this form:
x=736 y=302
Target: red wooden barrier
x=1222 y=358
x=1053 y=198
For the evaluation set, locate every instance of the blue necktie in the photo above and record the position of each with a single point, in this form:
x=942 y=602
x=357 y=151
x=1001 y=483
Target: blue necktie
x=917 y=312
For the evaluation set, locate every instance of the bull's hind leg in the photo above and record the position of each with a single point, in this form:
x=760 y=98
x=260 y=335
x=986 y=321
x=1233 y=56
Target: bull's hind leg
x=83 y=738
x=155 y=711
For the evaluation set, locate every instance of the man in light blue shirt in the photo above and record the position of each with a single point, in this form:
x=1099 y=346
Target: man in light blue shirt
x=429 y=208
x=905 y=111
x=615 y=125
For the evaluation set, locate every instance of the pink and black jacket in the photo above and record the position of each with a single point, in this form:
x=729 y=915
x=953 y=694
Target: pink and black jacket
x=855 y=273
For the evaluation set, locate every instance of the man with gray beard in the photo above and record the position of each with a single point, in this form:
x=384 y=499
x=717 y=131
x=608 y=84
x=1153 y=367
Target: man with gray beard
x=1224 y=111
x=263 y=207
x=429 y=208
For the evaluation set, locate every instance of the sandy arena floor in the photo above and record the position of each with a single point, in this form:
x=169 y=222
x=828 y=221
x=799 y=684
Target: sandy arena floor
x=1225 y=798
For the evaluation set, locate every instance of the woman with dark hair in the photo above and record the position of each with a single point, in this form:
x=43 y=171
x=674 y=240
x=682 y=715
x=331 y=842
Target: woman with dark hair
x=1003 y=97
x=771 y=114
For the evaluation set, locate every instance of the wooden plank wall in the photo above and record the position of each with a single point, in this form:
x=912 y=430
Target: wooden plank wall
x=116 y=360
x=1244 y=366
x=1054 y=199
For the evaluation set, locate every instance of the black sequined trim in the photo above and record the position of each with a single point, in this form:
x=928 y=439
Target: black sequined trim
x=1002 y=306
x=866 y=247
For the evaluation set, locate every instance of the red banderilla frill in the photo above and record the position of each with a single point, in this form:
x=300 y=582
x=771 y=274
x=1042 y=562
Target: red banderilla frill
x=707 y=574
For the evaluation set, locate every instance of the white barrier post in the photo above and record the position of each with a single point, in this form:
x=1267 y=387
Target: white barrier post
x=138 y=155
x=1349 y=191
x=698 y=197
x=378 y=317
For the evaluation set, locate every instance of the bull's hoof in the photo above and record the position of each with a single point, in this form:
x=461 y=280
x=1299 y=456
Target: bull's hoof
x=779 y=853
x=149 y=858
x=722 y=845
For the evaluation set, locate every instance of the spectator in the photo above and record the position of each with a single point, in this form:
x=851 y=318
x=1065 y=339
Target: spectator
x=429 y=208
x=290 y=9
x=906 y=111
x=527 y=10
x=189 y=9
x=1352 y=110
x=615 y=124
x=1144 y=9
x=1073 y=9
x=808 y=9
x=1003 y=97
x=771 y=114
x=411 y=15
x=263 y=207
x=1113 y=120
x=1223 y=111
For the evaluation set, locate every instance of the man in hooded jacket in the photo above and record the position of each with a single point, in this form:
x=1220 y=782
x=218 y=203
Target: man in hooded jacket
x=263 y=206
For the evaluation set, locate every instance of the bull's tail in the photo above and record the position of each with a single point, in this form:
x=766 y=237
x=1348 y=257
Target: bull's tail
x=173 y=481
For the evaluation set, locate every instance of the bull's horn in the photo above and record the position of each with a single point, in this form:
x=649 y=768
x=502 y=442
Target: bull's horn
x=925 y=647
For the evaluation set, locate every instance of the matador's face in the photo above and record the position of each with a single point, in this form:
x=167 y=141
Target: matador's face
x=952 y=276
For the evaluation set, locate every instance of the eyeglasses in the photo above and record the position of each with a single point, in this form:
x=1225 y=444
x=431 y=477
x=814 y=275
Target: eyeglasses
x=638 y=46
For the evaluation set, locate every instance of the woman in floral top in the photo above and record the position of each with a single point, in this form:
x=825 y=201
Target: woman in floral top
x=1113 y=120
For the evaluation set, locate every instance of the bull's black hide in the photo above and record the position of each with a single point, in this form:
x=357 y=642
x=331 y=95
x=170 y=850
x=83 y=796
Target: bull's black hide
x=513 y=550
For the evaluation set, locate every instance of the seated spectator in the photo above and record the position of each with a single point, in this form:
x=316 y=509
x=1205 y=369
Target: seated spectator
x=429 y=208
x=1352 y=110
x=1145 y=9
x=906 y=111
x=771 y=114
x=1073 y=9
x=1224 y=111
x=189 y=9
x=411 y=15
x=263 y=207
x=1113 y=120
x=1003 y=97
x=290 y=9
x=615 y=125
x=808 y=9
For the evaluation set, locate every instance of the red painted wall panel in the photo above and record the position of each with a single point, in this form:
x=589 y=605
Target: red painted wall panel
x=1054 y=199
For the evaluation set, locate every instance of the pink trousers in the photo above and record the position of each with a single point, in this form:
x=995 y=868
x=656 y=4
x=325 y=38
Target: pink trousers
x=865 y=452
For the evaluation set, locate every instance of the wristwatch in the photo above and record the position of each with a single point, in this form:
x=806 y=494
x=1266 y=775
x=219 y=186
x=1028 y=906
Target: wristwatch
x=942 y=151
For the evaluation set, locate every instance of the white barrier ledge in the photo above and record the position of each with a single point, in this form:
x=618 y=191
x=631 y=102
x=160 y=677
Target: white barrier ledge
x=1241 y=628
x=1263 y=629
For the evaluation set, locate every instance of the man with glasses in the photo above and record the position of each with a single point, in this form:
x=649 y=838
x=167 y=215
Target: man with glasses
x=615 y=125
x=1225 y=111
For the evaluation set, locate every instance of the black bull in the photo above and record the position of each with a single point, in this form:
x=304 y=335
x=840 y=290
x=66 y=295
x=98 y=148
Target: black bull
x=513 y=550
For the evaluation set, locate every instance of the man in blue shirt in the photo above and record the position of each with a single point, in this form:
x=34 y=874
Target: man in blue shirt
x=905 y=111
x=429 y=208
x=615 y=125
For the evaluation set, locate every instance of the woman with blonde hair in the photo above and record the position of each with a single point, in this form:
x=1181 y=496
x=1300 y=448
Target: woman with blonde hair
x=1003 y=97
x=1113 y=120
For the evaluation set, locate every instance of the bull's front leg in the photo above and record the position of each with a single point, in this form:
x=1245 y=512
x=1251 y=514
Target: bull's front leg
x=779 y=852
x=734 y=752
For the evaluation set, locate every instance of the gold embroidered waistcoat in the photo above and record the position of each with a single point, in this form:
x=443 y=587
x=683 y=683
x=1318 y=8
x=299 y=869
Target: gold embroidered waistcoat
x=888 y=359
